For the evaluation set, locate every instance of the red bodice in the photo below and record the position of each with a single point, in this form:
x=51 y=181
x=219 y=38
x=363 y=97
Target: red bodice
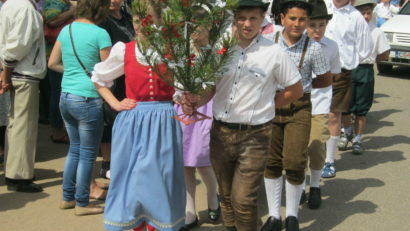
x=142 y=84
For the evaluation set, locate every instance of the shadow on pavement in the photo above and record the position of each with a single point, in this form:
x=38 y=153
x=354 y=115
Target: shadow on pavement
x=17 y=200
x=375 y=120
x=368 y=159
x=338 y=204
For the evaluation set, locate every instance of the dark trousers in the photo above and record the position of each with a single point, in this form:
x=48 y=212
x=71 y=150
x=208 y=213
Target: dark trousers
x=290 y=140
x=238 y=158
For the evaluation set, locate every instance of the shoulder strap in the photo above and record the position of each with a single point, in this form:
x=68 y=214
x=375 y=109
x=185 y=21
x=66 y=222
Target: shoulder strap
x=76 y=55
x=302 y=58
x=277 y=36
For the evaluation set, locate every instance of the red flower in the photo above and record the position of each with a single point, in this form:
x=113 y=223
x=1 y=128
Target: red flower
x=190 y=59
x=147 y=21
x=222 y=51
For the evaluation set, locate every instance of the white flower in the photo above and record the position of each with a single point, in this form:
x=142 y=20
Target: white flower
x=220 y=3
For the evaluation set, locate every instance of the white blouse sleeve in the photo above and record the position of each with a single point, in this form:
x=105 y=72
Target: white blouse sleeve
x=113 y=67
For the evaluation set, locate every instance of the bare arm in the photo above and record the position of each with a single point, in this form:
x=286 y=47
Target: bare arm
x=290 y=94
x=383 y=56
x=322 y=81
x=55 y=62
x=5 y=79
x=125 y=104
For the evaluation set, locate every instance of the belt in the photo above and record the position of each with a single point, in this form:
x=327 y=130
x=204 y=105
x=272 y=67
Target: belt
x=345 y=70
x=365 y=65
x=236 y=126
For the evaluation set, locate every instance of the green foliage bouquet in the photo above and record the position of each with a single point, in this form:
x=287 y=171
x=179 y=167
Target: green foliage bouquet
x=167 y=39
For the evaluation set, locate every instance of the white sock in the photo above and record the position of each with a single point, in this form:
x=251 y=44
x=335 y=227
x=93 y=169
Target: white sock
x=304 y=183
x=209 y=178
x=273 y=188
x=108 y=174
x=293 y=194
x=357 y=138
x=348 y=130
x=331 y=147
x=315 y=178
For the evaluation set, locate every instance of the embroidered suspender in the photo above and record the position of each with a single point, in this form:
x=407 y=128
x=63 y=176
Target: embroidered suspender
x=302 y=58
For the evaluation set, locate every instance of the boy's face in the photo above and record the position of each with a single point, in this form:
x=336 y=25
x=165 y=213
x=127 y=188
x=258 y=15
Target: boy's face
x=340 y=3
x=316 y=28
x=248 y=23
x=367 y=13
x=294 y=22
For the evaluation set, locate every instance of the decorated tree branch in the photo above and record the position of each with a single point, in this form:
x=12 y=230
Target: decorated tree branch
x=168 y=28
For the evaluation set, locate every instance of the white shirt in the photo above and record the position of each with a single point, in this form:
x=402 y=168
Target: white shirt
x=22 y=43
x=351 y=33
x=321 y=98
x=385 y=11
x=380 y=45
x=245 y=93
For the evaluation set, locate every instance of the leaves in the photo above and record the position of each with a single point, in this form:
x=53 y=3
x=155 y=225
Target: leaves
x=170 y=38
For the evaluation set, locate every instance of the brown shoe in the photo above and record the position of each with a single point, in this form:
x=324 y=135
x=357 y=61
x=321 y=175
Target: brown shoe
x=88 y=210
x=67 y=204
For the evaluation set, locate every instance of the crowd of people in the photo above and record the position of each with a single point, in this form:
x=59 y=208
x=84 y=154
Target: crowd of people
x=301 y=72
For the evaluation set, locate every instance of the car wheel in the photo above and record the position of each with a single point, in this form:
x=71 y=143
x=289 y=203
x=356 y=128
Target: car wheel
x=384 y=68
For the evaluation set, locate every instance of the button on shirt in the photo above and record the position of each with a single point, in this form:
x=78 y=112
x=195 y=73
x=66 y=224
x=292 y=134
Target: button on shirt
x=351 y=33
x=246 y=91
x=314 y=60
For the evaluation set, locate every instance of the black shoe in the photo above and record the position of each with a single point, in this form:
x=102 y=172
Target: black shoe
x=26 y=187
x=315 y=198
x=187 y=227
x=302 y=198
x=272 y=224
x=214 y=215
x=292 y=224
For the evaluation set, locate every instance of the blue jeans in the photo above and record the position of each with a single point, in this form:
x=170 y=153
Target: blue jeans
x=83 y=118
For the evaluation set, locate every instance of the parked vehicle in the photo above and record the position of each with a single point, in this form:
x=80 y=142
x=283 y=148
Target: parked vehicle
x=397 y=32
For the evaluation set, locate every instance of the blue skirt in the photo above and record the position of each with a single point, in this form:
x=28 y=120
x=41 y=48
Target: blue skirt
x=147 y=178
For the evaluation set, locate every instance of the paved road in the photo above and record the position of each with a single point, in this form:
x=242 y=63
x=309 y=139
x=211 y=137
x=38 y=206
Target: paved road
x=370 y=192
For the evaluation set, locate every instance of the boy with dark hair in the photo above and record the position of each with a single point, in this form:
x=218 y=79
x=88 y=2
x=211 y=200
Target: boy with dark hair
x=291 y=126
x=363 y=77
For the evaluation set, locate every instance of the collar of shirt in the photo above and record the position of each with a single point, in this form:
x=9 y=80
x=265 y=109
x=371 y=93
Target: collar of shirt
x=301 y=41
x=346 y=8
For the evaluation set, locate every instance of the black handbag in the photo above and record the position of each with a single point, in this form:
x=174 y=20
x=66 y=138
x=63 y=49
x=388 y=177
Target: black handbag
x=108 y=112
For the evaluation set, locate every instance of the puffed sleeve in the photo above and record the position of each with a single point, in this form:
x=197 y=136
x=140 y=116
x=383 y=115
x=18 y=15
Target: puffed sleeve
x=113 y=67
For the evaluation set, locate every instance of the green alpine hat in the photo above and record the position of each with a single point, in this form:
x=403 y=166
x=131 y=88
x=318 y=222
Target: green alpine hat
x=359 y=3
x=319 y=10
x=254 y=3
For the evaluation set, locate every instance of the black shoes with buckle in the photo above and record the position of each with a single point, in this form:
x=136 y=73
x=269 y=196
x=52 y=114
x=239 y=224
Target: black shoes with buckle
x=190 y=226
x=272 y=224
x=292 y=224
x=314 y=198
x=213 y=215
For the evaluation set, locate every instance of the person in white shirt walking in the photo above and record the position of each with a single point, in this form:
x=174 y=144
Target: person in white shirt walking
x=363 y=77
x=244 y=106
x=384 y=11
x=352 y=35
x=22 y=53
x=321 y=99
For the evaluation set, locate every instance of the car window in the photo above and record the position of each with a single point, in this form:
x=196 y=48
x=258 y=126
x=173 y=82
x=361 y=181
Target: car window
x=405 y=9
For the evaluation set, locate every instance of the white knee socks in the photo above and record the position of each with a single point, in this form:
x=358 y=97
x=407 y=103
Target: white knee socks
x=331 y=147
x=273 y=188
x=209 y=178
x=293 y=194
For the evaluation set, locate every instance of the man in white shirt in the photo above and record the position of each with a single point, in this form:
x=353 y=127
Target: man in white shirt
x=244 y=106
x=22 y=54
x=363 y=77
x=351 y=33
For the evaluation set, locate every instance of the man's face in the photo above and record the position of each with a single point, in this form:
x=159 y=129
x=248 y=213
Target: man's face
x=367 y=13
x=248 y=23
x=340 y=3
x=294 y=22
x=316 y=28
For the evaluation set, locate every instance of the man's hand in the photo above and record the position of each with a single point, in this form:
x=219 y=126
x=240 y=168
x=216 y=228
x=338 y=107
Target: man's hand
x=5 y=83
x=125 y=104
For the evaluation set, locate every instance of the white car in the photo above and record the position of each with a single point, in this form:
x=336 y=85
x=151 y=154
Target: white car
x=397 y=32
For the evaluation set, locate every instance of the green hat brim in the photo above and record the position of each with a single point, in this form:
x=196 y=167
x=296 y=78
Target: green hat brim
x=250 y=3
x=285 y=2
x=328 y=17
